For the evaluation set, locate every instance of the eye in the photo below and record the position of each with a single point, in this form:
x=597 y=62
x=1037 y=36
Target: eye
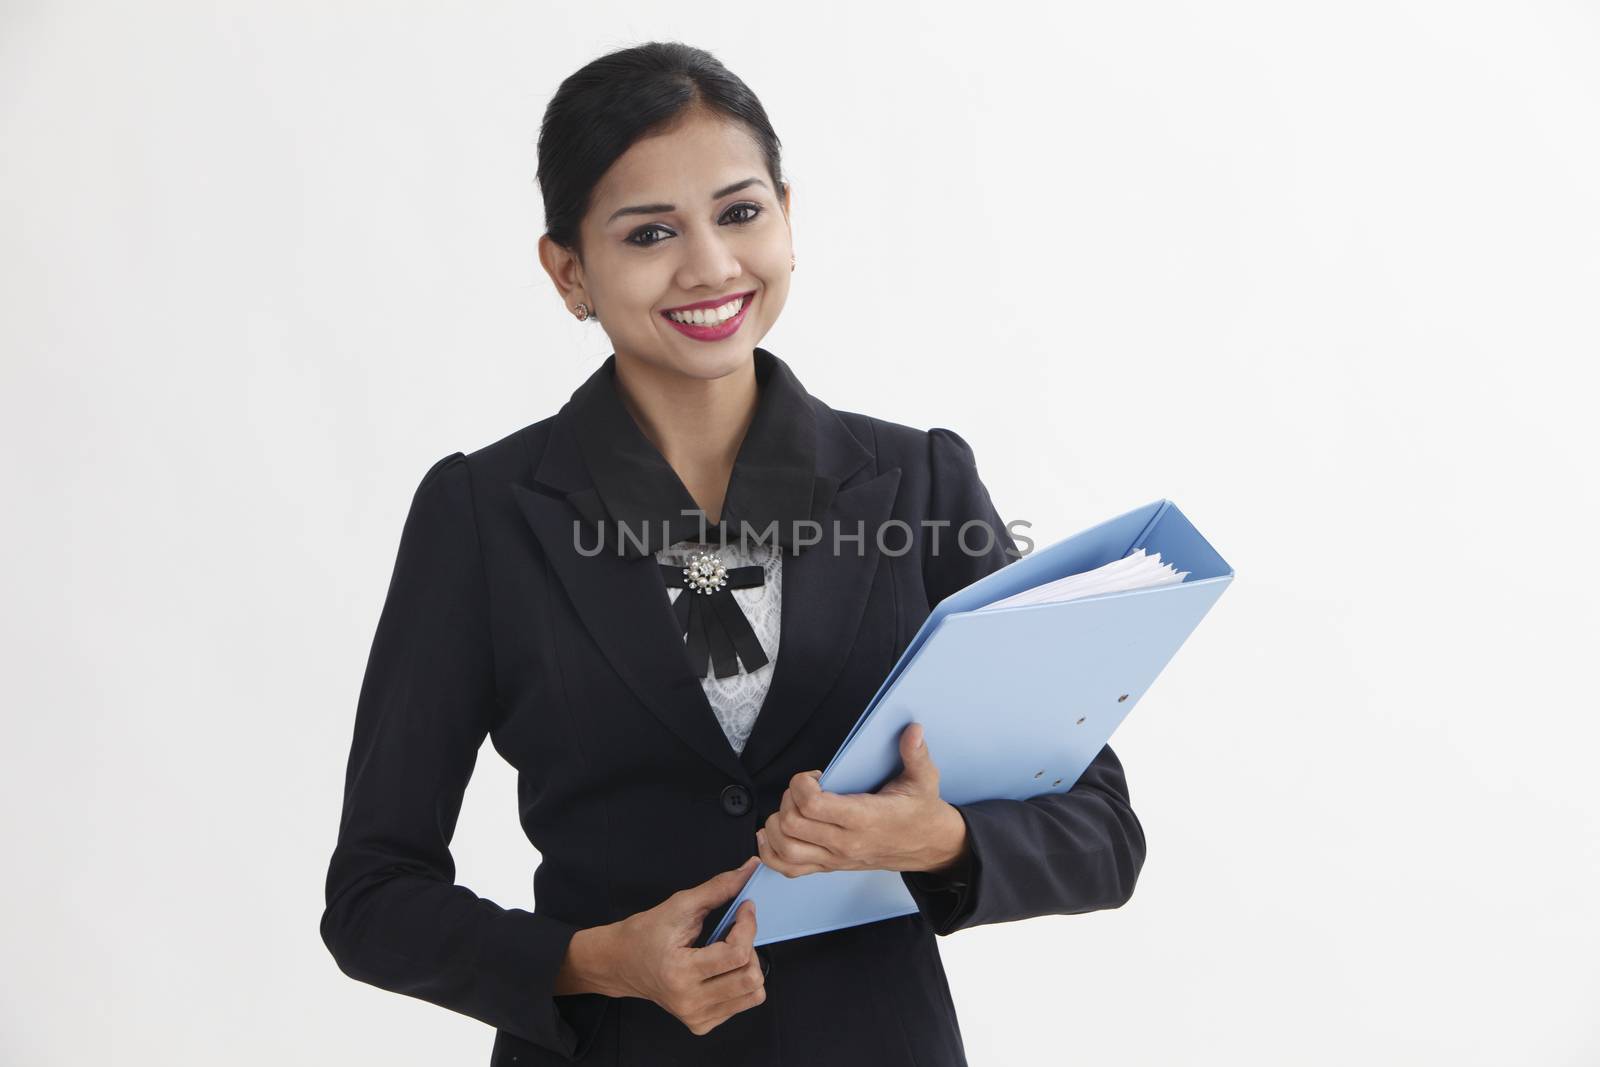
x=755 y=210
x=634 y=238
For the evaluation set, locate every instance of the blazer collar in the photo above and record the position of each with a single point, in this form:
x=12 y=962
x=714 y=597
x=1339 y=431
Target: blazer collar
x=622 y=601
x=639 y=504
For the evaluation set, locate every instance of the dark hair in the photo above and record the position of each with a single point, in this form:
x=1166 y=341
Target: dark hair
x=603 y=108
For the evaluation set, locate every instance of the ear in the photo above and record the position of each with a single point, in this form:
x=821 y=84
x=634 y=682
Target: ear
x=788 y=202
x=564 y=269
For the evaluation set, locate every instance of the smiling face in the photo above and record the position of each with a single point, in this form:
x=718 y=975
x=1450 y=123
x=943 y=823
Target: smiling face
x=683 y=217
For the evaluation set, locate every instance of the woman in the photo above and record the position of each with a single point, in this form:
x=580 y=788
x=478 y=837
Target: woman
x=546 y=595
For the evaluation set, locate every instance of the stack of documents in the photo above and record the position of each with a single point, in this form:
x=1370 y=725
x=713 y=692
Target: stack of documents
x=1019 y=680
x=1136 y=570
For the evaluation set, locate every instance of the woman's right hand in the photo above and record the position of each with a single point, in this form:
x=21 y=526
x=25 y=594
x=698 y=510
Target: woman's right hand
x=702 y=987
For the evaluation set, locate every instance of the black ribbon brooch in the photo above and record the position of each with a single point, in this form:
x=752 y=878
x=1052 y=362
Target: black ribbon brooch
x=714 y=626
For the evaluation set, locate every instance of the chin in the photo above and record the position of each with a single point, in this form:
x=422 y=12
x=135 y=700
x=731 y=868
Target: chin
x=701 y=360
x=712 y=365
x=707 y=365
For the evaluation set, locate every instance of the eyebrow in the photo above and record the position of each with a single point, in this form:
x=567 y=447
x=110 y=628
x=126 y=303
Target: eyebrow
x=656 y=209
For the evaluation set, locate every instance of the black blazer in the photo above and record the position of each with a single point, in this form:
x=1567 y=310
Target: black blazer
x=496 y=625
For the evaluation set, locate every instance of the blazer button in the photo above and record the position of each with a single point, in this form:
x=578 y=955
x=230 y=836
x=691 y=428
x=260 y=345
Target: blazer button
x=736 y=800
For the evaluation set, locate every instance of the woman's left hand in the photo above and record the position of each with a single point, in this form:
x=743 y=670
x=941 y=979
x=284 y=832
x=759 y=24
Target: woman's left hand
x=904 y=826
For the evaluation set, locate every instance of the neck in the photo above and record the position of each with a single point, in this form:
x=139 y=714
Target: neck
x=697 y=424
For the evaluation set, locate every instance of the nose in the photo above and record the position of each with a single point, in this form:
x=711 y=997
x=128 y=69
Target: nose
x=710 y=264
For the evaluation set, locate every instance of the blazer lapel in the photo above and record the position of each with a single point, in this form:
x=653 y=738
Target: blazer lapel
x=825 y=594
x=624 y=605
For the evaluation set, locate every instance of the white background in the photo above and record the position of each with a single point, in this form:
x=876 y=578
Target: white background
x=1325 y=275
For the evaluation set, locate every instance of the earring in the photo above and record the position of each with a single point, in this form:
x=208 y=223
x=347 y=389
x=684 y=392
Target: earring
x=582 y=311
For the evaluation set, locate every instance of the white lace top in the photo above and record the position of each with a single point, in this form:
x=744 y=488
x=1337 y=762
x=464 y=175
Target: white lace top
x=737 y=698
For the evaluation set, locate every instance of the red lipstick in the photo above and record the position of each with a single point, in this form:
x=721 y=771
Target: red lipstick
x=712 y=333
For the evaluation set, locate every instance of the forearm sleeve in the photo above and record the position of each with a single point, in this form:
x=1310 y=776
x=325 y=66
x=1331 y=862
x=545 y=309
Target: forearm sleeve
x=394 y=916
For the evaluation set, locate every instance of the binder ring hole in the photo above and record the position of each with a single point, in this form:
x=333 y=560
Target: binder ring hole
x=1081 y=718
x=1121 y=698
x=1055 y=783
x=1039 y=775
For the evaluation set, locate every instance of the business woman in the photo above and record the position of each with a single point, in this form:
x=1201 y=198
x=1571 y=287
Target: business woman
x=666 y=605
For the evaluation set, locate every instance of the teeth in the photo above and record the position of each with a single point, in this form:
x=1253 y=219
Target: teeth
x=709 y=316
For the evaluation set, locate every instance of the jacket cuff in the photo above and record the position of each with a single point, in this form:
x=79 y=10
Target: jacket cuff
x=529 y=961
x=946 y=898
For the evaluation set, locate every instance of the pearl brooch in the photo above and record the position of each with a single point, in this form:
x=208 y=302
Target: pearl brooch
x=705 y=573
